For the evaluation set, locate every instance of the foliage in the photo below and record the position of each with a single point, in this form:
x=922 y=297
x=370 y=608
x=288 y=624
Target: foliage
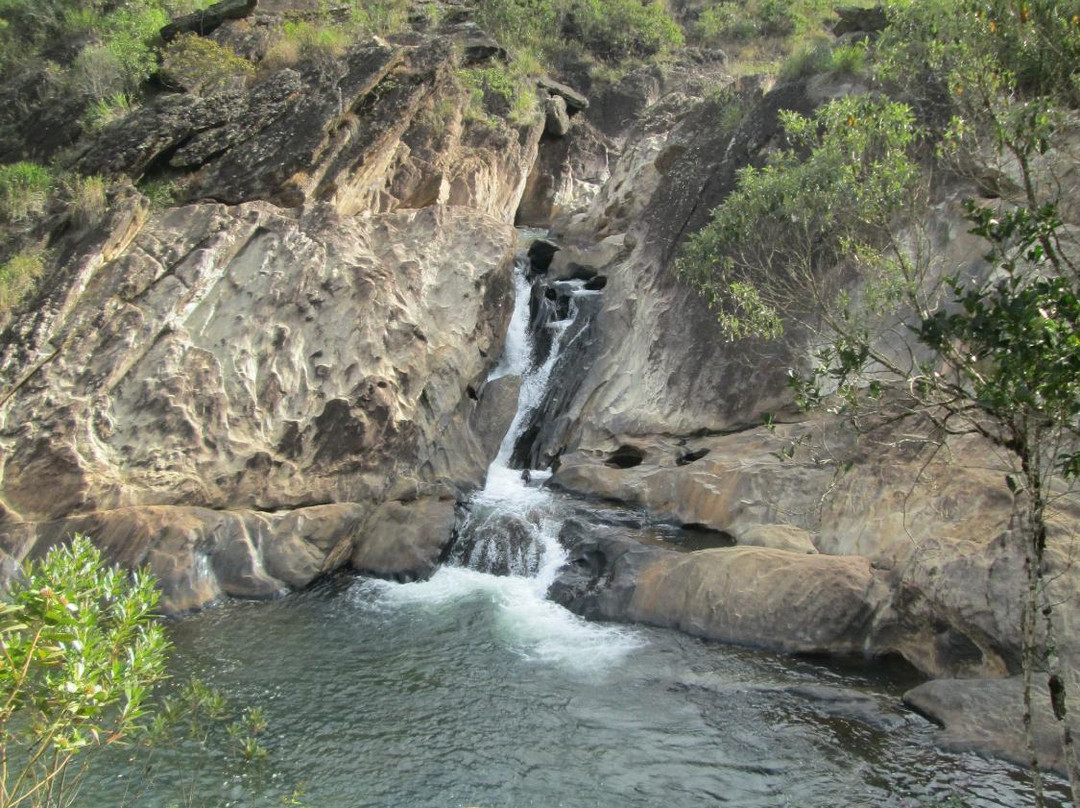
x=106 y=110
x=18 y=276
x=198 y=721
x=381 y=17
x=939 y=49
x=304 y=39
x=995 y=84
x=81 y=653
x=86 y=199
x=615 y=29
x=501 y=91
x=161 y=193
x=201 y=66
x=611 y=30
x=844 y=178
x=24 y=190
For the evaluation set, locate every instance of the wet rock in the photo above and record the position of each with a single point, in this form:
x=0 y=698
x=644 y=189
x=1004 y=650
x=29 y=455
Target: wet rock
x=852 y=705
x=494 y=412
x=541 y=252
x=500 y=543
x=986 y=716
x=601 y=574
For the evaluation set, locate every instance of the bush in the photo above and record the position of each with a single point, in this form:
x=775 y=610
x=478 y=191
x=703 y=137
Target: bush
x=729 y=21
x=616 y=29
x=24 y=190
x=105 y=110
x=18 y=276
x=611 y=30
x=380 y=16
x=935 y=46
x=81 y=653
x=499 y=91
x=202 y=66
x=86 y=199
x=834 y=193
x=300 y=39
x=809 y=59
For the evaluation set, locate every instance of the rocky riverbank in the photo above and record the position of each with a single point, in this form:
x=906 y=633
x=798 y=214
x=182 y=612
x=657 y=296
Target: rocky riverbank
x=284 y=372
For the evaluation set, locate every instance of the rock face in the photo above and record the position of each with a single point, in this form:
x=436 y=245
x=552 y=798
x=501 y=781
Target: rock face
x=249 y=391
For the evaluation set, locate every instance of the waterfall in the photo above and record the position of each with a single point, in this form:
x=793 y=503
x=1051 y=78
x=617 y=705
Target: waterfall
x=511 y=527
x=507 y=549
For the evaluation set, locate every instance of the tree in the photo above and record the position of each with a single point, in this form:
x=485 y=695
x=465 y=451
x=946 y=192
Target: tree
x=819 y=238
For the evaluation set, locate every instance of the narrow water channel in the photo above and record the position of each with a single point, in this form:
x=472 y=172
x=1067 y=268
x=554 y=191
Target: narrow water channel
x=473 y=689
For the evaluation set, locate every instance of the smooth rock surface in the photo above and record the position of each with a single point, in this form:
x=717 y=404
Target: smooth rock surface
x=761 y=598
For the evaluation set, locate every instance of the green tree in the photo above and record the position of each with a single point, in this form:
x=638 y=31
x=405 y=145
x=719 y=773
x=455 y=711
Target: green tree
x=81 y=654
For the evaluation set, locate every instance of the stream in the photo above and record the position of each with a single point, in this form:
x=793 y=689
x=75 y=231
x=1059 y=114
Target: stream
x=473 y=689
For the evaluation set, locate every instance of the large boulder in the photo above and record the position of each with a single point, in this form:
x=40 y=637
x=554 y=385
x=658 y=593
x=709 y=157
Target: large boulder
x=986 y=716
x=762 y=598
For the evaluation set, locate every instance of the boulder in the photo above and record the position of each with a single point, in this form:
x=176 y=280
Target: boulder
x=556 y=119
x=575 y=101
x=986 y=716
x=762 y=598
x=541 y=252
x=404 y=539
x=209 y=19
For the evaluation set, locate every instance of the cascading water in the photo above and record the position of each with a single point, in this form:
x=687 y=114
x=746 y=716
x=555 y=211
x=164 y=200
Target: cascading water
x=507 y=548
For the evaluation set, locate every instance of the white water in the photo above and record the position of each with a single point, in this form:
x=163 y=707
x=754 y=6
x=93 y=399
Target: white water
x=526 y=620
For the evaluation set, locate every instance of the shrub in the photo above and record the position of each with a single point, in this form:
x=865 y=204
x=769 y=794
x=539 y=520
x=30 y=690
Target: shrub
x=500 y=91
x=81 y=652
x=729 y=21
x=201 y=66
x=161 y=193
x=615 y=29
x=131 y=31
x=810 y=58
x=18 y=276
x=86 y=199
x=849 y=59
x=96 y=73
x=300 y=39
x=380 y=16
x=609 y=29
x=833 y=193
x=105 y=110
x=24 y=190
